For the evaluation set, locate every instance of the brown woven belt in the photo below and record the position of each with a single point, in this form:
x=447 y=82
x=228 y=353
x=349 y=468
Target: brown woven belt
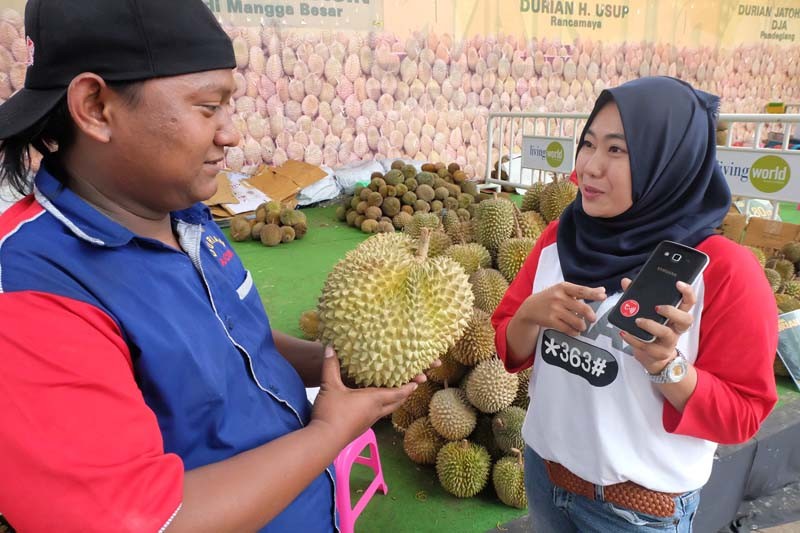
x=628 y=494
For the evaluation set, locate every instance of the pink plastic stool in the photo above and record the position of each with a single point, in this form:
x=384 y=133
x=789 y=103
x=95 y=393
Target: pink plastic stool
x=343 y=463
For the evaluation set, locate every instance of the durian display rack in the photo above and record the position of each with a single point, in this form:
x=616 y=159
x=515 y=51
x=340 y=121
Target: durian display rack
x=289 y=279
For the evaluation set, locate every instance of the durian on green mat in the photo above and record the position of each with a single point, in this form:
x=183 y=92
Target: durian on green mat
x=273 y=224
x=390 y=313
x=508 y=478
x=463 y=468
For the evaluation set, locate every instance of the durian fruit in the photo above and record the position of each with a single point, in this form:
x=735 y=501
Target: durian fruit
x=300 y=230
x=309 y=324
x=420 y=221
x=508 y=478
x=490 y=388
x=463 y=468
x=489 y=286
x=240 y=228
x=472 y=257
x=451 y=415
x=785 y=268
x=774 y=279
x=531 y=200
x=271 y=235
x=290 y=217
x=402 y=419
x=786 y=303
x=522 y=399
x=531 y=224
x=507 y=428
x=423 y=305
x=484 y=436
x=556 y=197
x=792 y=288
x=287 y=234
x=273 y=209
x=438 y=243
x=495 y=222
x=401 y=220
x=791 y=250
x=512 y=254
x=477 y=342
x=419 y=400
x=421 y=442
x=450 y=371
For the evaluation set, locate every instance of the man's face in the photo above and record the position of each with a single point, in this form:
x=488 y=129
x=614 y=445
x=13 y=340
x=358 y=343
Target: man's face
x=168 y=147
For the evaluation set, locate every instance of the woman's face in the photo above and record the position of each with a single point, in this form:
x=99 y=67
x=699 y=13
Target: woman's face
x=603 y=167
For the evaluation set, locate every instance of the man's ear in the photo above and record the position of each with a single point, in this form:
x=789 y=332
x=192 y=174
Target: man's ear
x=89 y=100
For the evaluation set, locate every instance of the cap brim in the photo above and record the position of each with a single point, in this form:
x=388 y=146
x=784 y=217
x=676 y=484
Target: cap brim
x=25 y=108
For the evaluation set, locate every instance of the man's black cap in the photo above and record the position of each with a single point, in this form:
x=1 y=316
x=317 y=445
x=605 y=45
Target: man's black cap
x=119 y=40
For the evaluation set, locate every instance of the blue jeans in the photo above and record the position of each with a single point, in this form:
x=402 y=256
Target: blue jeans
x=554 y=510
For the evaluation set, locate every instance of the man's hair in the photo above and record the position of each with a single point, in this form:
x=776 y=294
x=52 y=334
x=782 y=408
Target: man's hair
x=53 y=133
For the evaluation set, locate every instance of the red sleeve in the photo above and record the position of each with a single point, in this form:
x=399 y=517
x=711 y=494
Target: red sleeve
x=520 y=288
x=82 y=448
x=738 y=340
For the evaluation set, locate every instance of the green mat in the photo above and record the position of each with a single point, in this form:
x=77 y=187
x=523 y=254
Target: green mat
x=289 y=278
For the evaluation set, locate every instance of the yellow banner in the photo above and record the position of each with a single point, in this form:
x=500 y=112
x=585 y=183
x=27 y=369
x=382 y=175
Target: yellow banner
x=682 y=22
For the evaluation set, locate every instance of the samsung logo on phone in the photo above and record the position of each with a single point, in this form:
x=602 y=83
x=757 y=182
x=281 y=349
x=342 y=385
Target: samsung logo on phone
x=667 y=272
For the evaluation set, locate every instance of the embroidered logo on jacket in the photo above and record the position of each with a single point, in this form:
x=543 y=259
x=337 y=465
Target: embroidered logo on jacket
x=219 y=249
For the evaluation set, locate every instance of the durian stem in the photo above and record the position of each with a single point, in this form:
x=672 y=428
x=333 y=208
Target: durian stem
x=518 y=453
x=517 y=214
x=424 y=241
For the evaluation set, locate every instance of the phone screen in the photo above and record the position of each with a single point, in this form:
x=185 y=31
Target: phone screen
x=669 y=263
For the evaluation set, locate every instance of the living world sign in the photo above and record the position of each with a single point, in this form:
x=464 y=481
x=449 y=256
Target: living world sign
x=554 y=154
x=342 y=14
x=756 y=174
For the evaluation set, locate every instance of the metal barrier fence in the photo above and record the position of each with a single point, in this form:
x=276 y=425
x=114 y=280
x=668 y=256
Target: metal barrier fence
x=759 y=157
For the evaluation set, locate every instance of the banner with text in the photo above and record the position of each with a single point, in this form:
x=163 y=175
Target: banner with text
x=759 y=174
x=361 y=15
x=554 y=154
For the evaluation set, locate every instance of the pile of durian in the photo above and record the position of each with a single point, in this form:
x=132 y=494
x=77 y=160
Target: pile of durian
x=389 y=200
x=273 y=224
x=781 y=270
x=401 y=300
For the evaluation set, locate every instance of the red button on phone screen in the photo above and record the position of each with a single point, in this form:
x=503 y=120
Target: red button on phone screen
x=629 y=308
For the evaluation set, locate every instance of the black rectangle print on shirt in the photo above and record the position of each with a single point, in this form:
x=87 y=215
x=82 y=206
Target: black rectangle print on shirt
x=593 y=364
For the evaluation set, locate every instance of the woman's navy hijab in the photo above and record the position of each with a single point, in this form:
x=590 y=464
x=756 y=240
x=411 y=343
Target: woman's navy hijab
x=679 y=191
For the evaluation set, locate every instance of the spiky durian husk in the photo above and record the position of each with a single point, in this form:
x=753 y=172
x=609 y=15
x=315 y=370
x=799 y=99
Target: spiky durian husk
x=424 y=305
x=556 y=197
x=463 y=468
x=508 y=478
x=507 y=428
x=495 y=222
x=488 y=286
x=532 y=199
x=477 y=342
x=472 y=257
x=490 y=388
x=451 y=415
x=421 y=442
x=511 y=256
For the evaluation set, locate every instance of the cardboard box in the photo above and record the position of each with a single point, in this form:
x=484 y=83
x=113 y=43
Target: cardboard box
x=764 y=233
x=280 y=184
x=733 y=226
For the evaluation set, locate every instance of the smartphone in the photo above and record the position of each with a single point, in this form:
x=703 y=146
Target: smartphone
x=654 y=285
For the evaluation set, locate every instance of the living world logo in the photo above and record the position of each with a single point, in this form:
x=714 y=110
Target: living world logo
x=554 y=154
x=770 y=173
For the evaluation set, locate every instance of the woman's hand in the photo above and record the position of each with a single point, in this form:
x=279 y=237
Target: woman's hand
x=655 y=355
x=560 y=307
